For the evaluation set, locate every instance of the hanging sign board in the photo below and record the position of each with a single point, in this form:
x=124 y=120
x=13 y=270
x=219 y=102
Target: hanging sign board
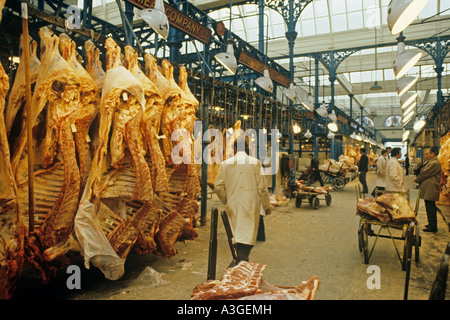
x=258 y=66
x=179 y=20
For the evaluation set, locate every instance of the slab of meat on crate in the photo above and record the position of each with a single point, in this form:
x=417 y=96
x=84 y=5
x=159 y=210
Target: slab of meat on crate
x=370 y=207
x=397 y=206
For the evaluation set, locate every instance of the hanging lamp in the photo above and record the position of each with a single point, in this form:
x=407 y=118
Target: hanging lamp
x=402 y=12
x=265 y=82
x=156 y=18
x=290 y=92
x=405 y=83
x=376 y=86
x=227 y=59
x=407 y=99
x=418 y=124
x=296 y=128
x=404 y=60
x=308 y=134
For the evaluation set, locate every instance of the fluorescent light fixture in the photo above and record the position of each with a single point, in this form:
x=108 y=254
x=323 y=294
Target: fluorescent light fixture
x=245 y=116
x=296 y=128
x=404 y=84
x=332 y=126
x=405 y=60
x=407 y=99
x=156 y=18
x=407 y=118
x=227 y=59
x=405 y=135
x=410 y=108
x=265 y=82
x=402 y=12
x=290 y=92
x=418 y=124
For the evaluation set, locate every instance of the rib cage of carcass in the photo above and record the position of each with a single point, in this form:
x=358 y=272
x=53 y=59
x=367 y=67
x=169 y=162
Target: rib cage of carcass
x=103 y=180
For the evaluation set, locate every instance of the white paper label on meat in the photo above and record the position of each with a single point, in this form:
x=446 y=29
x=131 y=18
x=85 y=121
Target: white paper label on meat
x=74 y=128
x=121 y=78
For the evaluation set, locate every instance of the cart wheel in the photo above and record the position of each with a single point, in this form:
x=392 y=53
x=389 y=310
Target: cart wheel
x=363 y=242
x=407 y=247
x=338 y=183
x=298 y=202
x=328 y=199
x=315 y=203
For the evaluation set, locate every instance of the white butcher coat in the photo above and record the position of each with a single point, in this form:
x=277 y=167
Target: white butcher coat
x=242 y=188
x=381 y=171
x=394 y=176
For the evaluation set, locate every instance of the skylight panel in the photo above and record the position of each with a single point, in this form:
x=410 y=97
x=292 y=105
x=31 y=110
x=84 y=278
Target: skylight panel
x=320 y=8
x=322 y=25
x=337 y=6
x=339 y=22
x=429 y=10
x=355 y=20
x=354 y=5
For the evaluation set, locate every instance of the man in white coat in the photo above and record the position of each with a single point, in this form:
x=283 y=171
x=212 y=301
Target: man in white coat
x=394 y=172
x=241 y=186
x=381 y=172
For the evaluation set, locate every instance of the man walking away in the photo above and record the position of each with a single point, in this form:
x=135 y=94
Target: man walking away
x=242 y=188
x=429 y=179
x=314 y=169
x=363 y=166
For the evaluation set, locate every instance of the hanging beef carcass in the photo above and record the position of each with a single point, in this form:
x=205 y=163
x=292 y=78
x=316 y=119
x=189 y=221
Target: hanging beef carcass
x=11 y=226
x=57 y=179
x=118 y=173
x=93 y=64
x=16 y=99
x=151 y=121
x=121 y=110
x=87 y=109
x=170 y=117
x=192 y=186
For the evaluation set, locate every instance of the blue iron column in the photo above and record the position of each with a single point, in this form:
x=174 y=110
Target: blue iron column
x=291 y=35
x=316 y=105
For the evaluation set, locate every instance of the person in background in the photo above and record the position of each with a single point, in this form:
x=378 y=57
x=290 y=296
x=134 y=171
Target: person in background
x=314 y=169
x=363 y=166
x=388 y=150
x=381 y=172
x=407 y=164
x=429 y=179
x=394 y=172
x=241 y=187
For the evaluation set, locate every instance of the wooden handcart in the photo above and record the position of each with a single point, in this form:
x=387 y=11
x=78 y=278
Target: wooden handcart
x=313 y=198
x=339 y=179
x=409 y=234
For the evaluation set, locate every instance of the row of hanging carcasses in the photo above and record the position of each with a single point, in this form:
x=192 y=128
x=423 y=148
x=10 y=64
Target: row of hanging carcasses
x=104 y=180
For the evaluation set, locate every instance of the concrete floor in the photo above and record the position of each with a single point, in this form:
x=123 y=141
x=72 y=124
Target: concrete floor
x=300 y=242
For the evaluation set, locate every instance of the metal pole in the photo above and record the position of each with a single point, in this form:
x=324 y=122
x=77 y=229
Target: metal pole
x=204 y=181
x=26 y=51
x=212 y=260
x=316 y=105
